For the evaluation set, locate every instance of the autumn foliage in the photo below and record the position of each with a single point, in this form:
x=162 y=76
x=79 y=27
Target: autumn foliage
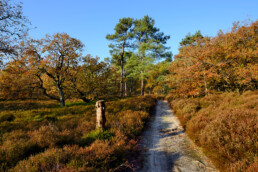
x=213 y=85
x=227 y=62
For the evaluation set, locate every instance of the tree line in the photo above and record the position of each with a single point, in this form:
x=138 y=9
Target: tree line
x=227 y=62
x=54 y=67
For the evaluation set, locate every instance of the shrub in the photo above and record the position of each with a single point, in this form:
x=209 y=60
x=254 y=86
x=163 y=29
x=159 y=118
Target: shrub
x=50 y=160
x=49 y=136
x=17 y=146
x=232 y=135
x=225 y=125
x=132 y=122
x=64 y=139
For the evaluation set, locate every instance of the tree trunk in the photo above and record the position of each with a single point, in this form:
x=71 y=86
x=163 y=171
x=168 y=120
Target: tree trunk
x=85 y=99
x=130 y=87
x=142 y=85
x=61 y=95
x=142 y=77
x=122 y=70
x=125 y=85
x=121 y=80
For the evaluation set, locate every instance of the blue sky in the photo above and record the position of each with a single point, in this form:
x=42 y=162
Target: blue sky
x=91 y=20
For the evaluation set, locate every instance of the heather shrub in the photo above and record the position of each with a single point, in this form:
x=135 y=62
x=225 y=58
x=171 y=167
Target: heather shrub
x=16 y=146
x=132 y=122
x=50 y=160
x=8 y=126
x=85 y=126
x=99 y=156
x=185 y=109
x=232 y=135
x=64 y=139
x=225 y=125
x=49 y=136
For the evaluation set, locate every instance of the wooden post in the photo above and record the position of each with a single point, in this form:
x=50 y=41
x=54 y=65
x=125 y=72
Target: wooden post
x=100 y=112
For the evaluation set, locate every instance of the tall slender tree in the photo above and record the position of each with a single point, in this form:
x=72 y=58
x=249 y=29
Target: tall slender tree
x=150 y=43
x=120 y=41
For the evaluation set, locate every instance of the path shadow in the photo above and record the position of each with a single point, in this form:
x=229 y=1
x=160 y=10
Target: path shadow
x=167 y=164
x=172 y=133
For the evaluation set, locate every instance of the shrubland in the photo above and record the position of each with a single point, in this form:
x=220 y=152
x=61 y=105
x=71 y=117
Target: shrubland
x=38 y=135
x=39 y=138
x=225 y=125
x=213 y=83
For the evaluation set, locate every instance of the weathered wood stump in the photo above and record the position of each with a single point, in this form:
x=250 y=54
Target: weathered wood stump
x=100 y=112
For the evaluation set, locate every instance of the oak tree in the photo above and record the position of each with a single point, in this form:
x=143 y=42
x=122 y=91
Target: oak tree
x=226 y=62
x=13 y=27
x=53 y=58
x=90 y=79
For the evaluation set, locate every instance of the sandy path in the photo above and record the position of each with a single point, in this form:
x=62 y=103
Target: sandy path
x=167 y=148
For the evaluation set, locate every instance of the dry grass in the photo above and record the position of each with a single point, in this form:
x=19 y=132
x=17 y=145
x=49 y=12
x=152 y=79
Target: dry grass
x=225 y=125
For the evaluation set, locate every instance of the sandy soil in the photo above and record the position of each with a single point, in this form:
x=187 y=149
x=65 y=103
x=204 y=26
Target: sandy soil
x=165 y=146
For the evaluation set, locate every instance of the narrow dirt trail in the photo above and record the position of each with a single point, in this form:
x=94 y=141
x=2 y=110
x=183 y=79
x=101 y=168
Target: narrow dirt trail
x=167 y=148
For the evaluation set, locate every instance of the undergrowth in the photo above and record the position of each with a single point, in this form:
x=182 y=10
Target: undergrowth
x=38 y=138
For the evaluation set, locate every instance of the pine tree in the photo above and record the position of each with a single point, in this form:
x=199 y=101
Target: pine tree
x=150 y=43
x=120 y=40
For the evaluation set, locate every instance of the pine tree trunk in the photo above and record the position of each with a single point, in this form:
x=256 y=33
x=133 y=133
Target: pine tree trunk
x=61 y=95
x=142 y=77
x=125 y=85
x=121 y=81
x=130 y=87
x=142 y=85
x=122 y=70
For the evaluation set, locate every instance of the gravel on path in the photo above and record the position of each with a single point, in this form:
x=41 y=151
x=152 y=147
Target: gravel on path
x=166 y=147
